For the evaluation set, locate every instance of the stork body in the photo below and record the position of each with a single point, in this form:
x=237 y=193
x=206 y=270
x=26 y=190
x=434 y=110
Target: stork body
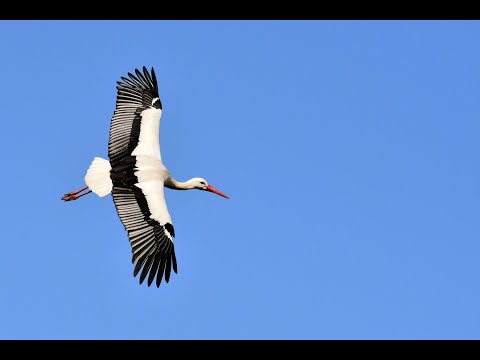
x=136 y=177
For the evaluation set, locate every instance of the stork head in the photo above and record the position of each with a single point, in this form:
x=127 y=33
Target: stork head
x=202 y=184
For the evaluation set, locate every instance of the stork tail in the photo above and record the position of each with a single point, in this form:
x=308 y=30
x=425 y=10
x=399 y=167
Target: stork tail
x=98 y=177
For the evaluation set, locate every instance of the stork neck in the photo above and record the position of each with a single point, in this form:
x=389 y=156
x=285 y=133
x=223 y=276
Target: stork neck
x=179 y=185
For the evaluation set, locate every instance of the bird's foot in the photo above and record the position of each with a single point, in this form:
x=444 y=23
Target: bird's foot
x=73 y=195
x=69 y=197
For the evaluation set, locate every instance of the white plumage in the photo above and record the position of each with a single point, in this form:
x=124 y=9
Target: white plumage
x=98 y=177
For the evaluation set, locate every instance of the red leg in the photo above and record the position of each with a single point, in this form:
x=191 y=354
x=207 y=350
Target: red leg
x=76 y=191
x=73 y=194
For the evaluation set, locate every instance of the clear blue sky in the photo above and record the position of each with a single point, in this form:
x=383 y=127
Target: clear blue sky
x=349 y=150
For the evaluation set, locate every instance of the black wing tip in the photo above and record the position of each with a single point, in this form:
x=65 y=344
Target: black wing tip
x=140 y=77
x=145 y=80
x=146 y=72
x=174 y=259
x=160 y=272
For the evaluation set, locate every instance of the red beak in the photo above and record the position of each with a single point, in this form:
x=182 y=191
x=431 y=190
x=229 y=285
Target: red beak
x=212 y=189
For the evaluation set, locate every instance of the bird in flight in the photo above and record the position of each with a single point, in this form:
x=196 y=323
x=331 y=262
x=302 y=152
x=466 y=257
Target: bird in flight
x=136 y=177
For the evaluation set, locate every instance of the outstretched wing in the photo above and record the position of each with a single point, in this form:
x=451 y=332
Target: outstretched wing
x=152 y=243
x=135 y=125
x=138 y=176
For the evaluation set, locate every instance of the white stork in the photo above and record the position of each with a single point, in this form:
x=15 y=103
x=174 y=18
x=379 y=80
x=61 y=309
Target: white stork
x=136 y=177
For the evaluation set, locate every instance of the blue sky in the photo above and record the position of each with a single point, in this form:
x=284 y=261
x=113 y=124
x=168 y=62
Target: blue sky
x=349 y=150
